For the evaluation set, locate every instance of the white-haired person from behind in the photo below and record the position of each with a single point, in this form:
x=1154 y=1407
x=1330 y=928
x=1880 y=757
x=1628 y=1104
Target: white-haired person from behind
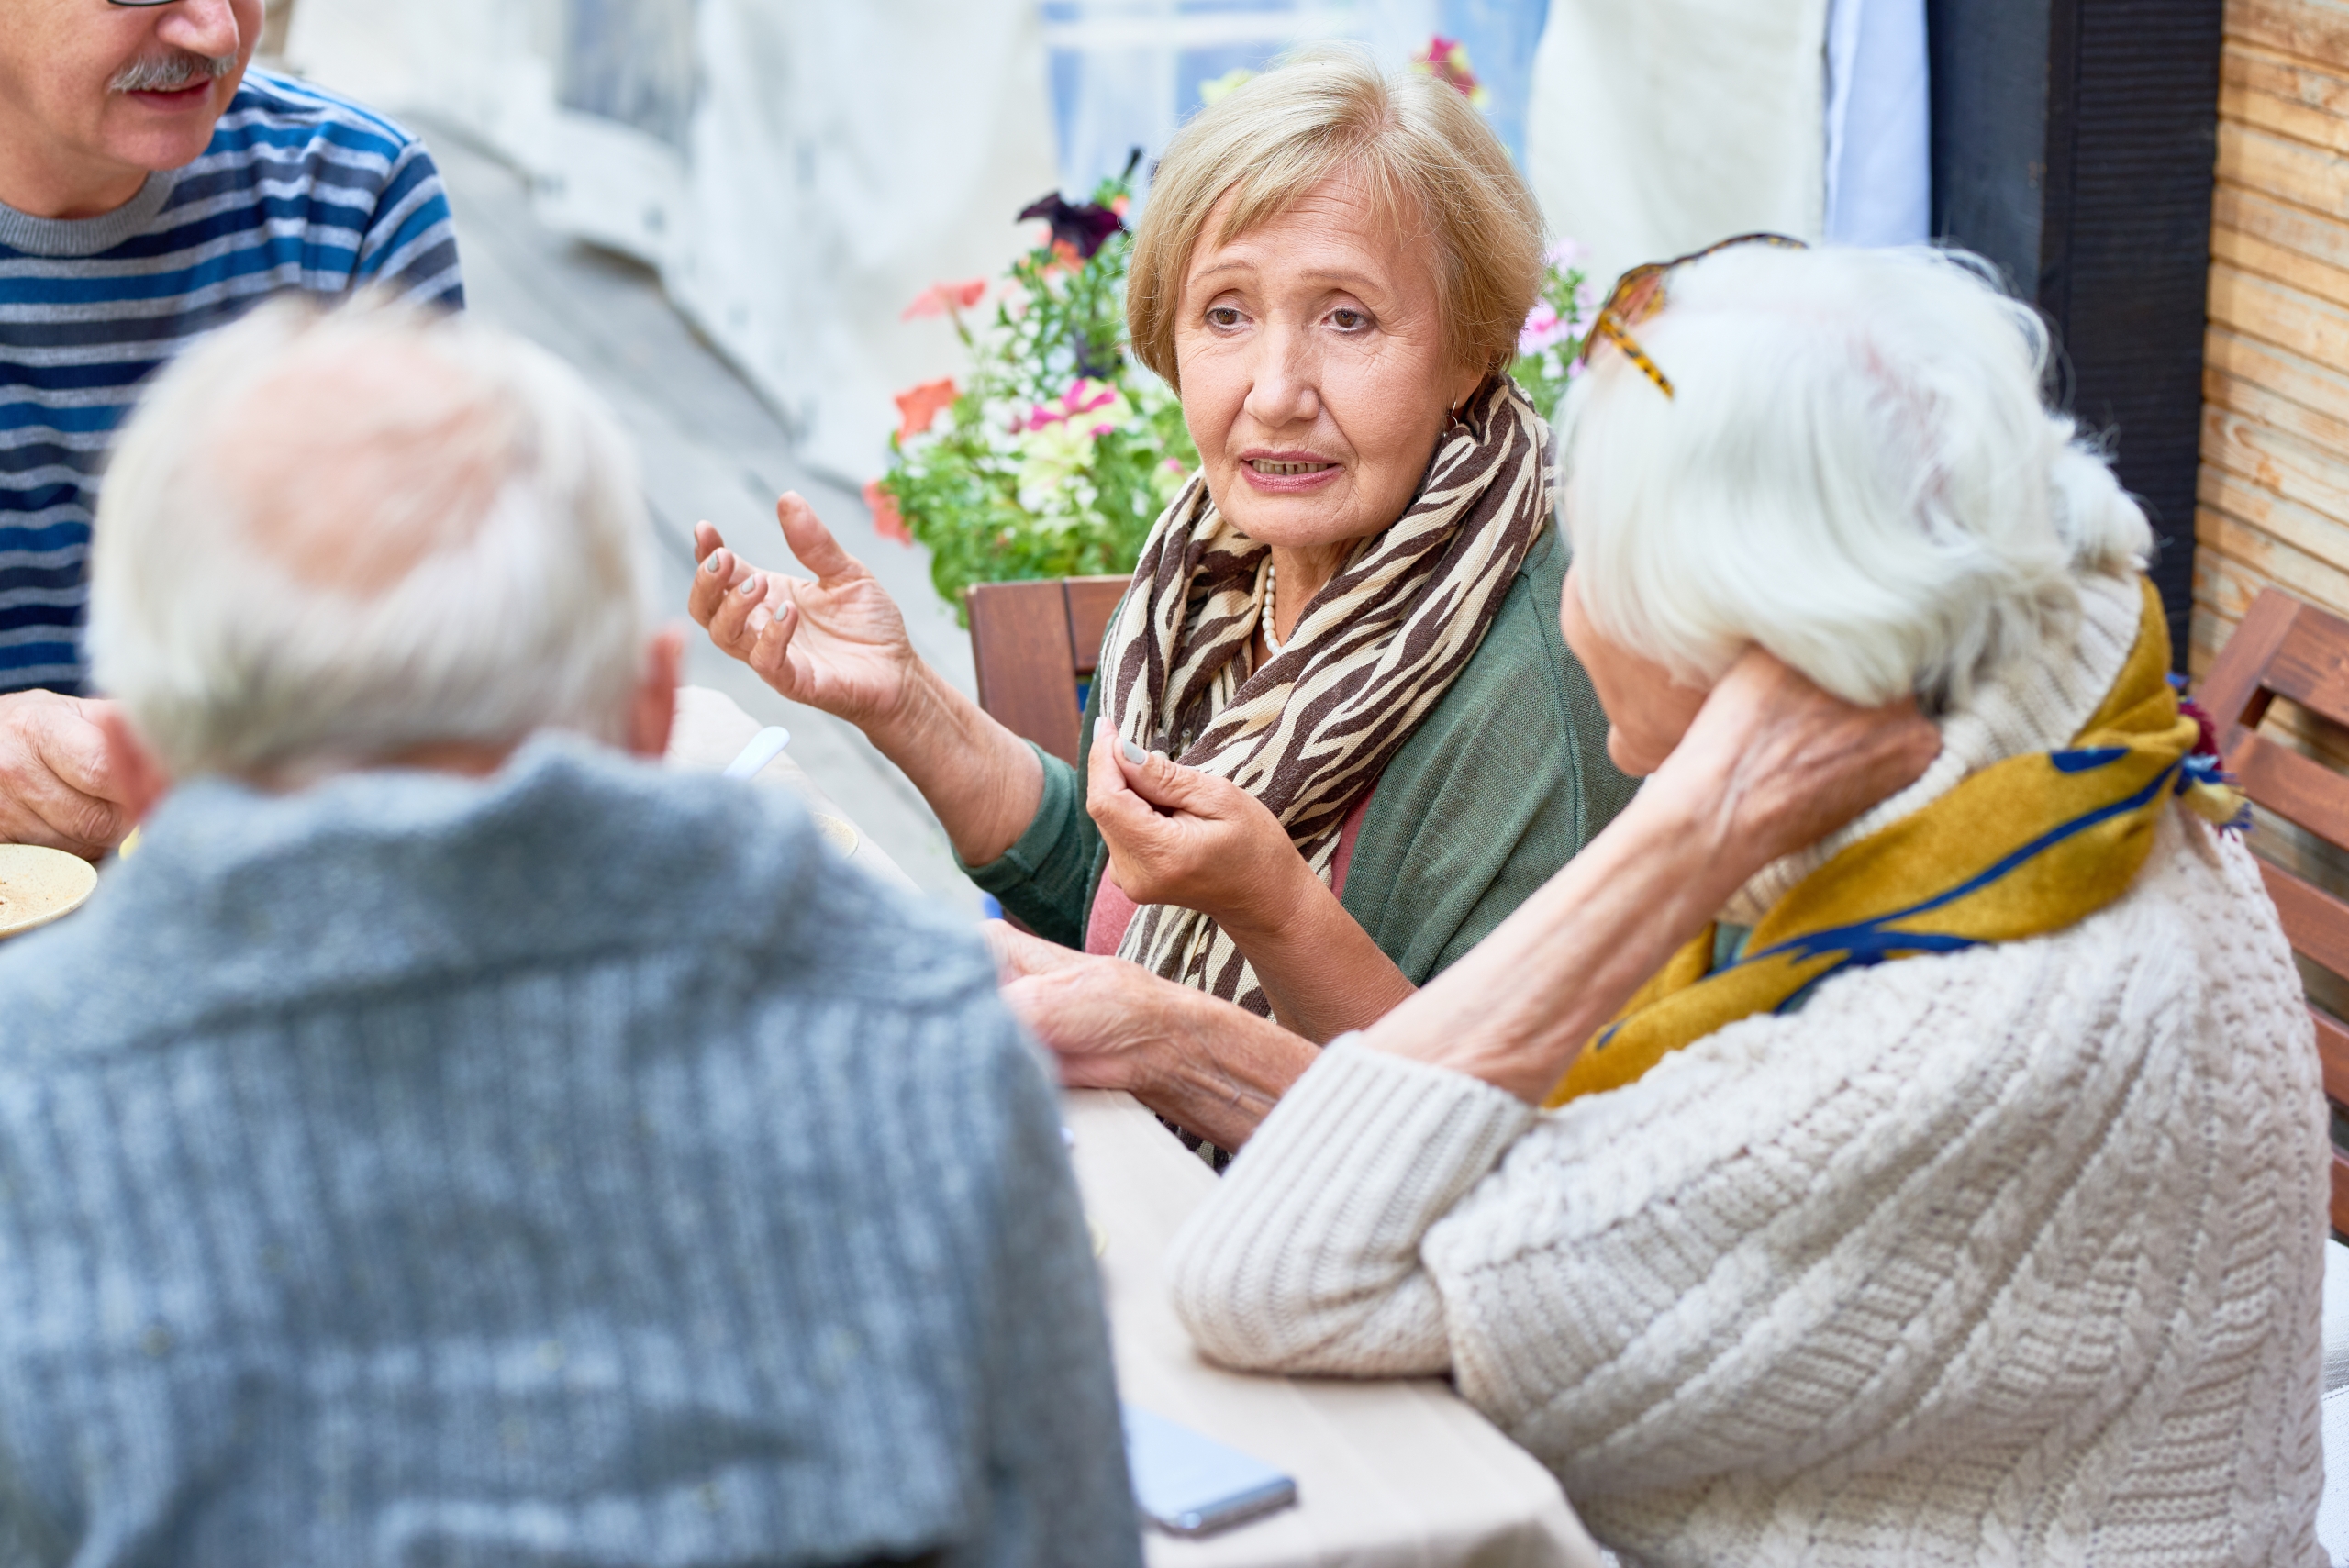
x=450 y=1138
x=1943 y=1182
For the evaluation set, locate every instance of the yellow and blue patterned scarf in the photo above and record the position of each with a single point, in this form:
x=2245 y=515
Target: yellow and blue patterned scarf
x=2026 y=846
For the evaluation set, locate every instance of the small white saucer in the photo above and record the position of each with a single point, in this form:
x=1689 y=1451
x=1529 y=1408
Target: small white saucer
x=39 y=885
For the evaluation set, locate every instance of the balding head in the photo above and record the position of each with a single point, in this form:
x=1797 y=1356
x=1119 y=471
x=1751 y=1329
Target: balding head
x=332 y=538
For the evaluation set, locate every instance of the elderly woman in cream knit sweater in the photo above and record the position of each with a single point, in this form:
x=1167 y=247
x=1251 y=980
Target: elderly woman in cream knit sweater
x=1947 y=1188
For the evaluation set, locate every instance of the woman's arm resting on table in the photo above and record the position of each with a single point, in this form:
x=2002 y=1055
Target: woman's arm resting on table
x=1178 y=835
x=1306 y=1259
x=839 y=643
x=1214 y=1068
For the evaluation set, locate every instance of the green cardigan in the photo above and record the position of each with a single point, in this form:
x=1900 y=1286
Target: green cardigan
x=1504 y=780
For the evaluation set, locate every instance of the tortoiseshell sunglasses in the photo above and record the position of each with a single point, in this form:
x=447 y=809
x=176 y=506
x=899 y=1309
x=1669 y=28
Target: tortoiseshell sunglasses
x=1638 y=294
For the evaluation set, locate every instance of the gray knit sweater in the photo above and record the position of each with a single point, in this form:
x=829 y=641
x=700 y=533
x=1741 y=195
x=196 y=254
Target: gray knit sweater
x=580 y=1167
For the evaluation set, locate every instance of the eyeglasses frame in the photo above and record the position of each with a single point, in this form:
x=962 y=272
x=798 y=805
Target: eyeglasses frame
x=1626 y=305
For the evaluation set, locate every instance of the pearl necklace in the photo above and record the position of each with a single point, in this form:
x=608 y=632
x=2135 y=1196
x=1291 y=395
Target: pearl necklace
x=1272 y=643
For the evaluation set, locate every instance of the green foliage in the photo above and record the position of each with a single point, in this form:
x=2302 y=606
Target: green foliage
x=1551 y=344
x=1058 y=451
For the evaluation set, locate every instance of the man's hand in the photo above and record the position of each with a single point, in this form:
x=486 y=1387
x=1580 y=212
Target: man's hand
x=1178 y=835
x=61 y=784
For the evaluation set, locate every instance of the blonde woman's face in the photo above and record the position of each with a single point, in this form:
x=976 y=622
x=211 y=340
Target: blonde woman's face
x=1316 y=374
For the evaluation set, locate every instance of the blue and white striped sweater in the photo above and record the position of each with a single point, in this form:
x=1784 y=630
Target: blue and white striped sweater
x=298 y=190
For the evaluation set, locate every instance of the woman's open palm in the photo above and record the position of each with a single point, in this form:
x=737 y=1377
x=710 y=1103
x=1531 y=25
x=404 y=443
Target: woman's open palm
x=837 y=643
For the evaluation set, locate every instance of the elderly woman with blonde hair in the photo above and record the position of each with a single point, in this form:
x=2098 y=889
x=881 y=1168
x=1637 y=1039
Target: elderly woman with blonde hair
x=1339 y=645
x=1945 y=1184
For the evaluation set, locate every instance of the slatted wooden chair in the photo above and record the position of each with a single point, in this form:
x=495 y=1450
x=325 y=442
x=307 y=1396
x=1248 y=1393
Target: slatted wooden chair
x=1035 y=645
x=2286 y=649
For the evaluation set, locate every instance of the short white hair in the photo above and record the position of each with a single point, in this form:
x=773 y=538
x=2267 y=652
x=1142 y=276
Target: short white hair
x=1857 y=473
x=329 y=537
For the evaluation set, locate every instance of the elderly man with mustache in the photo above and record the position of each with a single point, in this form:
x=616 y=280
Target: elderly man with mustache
x=152 y=187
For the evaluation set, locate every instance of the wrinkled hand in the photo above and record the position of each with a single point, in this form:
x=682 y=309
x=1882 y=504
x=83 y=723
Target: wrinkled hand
x=1772 y=763
x=1105 y=1021
x=1178 y=835
x=61 y=784
x=837 y=643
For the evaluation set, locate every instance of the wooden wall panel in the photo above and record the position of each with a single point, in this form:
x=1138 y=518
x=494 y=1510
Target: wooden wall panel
x=2273 y=499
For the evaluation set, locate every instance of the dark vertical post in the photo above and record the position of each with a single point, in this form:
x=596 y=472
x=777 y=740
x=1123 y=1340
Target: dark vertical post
x=2073 y=145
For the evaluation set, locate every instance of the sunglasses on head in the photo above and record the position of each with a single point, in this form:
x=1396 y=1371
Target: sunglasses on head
x=1638 y=295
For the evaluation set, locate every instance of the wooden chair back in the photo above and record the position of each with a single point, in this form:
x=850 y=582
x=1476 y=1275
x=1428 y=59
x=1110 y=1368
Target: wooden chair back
x=2286 y=649
x=1035 y=644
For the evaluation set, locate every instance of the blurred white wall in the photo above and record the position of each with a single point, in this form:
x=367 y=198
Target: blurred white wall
x=1661 y=126
x=797 y=173
x=1658 y=127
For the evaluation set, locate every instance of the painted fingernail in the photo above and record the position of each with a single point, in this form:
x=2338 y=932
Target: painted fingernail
x=713 y=563
x=752 y=585
x=1134 y=753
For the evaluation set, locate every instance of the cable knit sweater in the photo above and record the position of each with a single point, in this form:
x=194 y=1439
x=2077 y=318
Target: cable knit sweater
x=569 y=1169
x=2012 y=1255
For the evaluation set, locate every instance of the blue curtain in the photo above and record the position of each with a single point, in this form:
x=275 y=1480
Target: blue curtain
x=1126 y=73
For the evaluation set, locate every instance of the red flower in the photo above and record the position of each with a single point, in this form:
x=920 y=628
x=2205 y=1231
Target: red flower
x=887 y=521
x=918 y=407
x=939 y=299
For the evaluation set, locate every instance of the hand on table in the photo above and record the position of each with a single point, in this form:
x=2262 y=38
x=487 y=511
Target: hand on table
x=1097 y=1016
x=838 y=643
x=1113 y=1025
x=60 y=783
x=1178 y=835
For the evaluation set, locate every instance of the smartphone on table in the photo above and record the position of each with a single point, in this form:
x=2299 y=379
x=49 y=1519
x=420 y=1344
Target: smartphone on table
x=1192 y=1484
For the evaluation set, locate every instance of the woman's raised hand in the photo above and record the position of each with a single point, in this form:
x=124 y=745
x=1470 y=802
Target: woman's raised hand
x=837 y=643
x=1772 y=763
x=1182 y=836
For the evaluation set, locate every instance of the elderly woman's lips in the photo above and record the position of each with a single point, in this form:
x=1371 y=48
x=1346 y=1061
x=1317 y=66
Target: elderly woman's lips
x=1287 y=475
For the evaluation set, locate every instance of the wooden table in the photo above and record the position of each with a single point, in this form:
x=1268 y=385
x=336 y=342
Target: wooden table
x=1392 y=1475
x=1388 y=1474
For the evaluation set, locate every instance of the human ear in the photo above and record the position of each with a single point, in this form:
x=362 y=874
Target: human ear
x=652 y=709
x=141 y=779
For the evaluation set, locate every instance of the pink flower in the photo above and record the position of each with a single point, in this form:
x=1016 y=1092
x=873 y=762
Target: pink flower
x=1543 y=326
x=1071 y=404
x=939 y=299
x=1446 y=59
x=887 y=521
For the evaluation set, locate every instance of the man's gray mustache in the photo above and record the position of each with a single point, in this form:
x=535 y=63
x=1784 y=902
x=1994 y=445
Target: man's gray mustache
x=170 y=72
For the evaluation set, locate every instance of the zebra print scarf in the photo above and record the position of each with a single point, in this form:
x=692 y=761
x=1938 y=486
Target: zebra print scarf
x=1309 y=730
